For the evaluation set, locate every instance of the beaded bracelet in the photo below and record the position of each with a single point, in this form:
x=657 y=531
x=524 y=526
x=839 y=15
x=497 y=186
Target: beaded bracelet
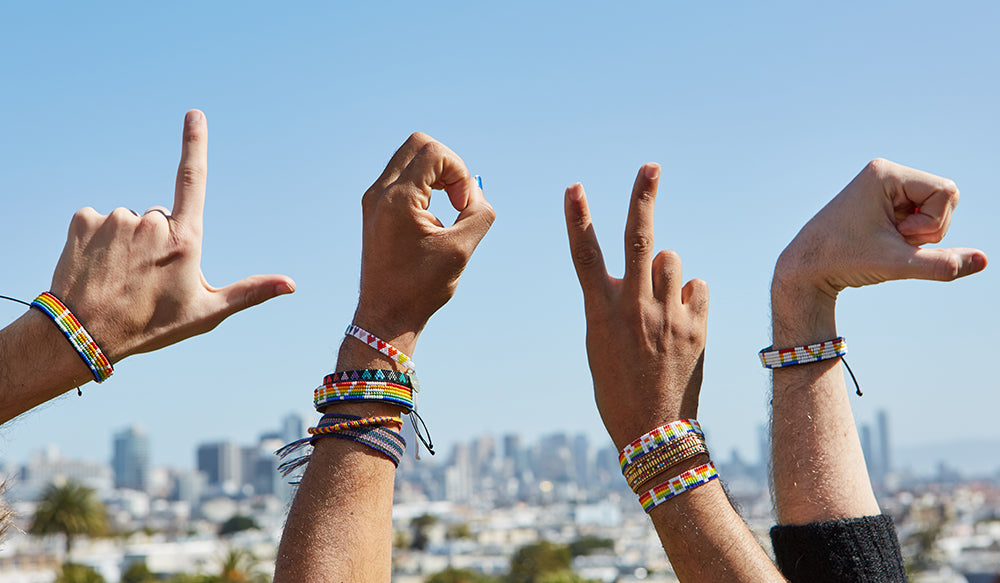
x=325 y=395
x=652 y=464
x=369 y=374
x=77 y=335
x=835 y=348
x=657 y=438
x=677 y=485
x=382 y=346
x=826 y=350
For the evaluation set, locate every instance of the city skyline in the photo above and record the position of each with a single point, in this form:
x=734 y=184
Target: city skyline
x=758 y=114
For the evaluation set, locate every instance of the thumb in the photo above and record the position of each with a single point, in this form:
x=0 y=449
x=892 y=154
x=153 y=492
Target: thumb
x=474 y=220
x=253 y=290
x=944 y=264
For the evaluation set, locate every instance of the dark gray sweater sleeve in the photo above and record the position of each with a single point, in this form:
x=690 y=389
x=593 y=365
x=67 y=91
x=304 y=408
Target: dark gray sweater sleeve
x=848 y=550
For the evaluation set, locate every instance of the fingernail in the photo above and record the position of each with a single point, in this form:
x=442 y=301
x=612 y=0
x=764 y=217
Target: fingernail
x=479 y=181
x=283 y=288
x=652 y=171
x=192 y=116
x=576 y=192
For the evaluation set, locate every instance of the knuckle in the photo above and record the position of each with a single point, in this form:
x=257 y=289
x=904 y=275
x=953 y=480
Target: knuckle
x=192 y=175
x=947 y=268
x=433 y=149
x=586 y=255
x=640 y=243
x=951 y=189
x=878 y=166
x=645 y=196
x=418 y=138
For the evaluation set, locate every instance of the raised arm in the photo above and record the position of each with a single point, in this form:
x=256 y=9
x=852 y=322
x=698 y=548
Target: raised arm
x=870 y=233
x=135 y=284
x=340 y=524
x=646 y=341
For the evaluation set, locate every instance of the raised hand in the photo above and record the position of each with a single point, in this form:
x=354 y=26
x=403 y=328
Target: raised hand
x=645 y=332
x=410 y=262
x=872 y=232
x=136 y=282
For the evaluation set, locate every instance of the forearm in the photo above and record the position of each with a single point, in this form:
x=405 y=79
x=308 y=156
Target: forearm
x=818 y=466
x=706 y=540
x=37 y=363
x=339 y=527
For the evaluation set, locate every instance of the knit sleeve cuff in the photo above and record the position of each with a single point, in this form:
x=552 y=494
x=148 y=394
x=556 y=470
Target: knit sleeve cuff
x=848 y=549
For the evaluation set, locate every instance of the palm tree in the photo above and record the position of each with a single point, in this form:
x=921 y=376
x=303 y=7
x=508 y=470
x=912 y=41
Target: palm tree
x=71 y=509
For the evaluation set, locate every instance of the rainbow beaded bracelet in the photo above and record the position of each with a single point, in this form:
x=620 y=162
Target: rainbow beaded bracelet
x=677 y=485
x=657 y=438
x=654 y=463
x=77 y=335
x=803 y=354
x=326 y=395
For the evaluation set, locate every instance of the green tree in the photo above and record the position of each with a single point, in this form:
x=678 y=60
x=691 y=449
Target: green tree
x=420 y=525
x=239 y=566
x=586 y=545
x=74 y=573
x=70 y=509
x=451 y=575
x=532 y=561
x=236 y=524
x=138 y=573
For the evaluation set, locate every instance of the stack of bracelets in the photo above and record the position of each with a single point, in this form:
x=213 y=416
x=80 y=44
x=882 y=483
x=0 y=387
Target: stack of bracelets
x=380 y=433
x=659 y=450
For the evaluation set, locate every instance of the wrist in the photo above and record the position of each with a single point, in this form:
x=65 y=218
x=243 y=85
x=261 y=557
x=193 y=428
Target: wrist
x=801 y=311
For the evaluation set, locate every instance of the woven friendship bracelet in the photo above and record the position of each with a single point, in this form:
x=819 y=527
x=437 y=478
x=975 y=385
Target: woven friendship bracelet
x=77 y=335
x=382 y=346
x=803 y=354
x=657 y=438
x=369 y=374
x=677 y=485
x=652 y=464
x=382 y=440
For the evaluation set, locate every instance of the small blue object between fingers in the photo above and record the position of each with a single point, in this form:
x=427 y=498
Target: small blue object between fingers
x=479 y=181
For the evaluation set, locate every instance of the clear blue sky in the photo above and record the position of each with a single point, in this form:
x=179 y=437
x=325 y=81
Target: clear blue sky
x=758 y=113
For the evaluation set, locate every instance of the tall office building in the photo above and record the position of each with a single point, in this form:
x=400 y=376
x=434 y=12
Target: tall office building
x=130 y=459
x=220 y=463
x=885 y=461
x=865 y=435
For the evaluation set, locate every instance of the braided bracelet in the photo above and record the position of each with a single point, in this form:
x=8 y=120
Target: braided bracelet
x=677 y=485
x=381 y=420
x=657 y=438
x=77 y=335
x=803 y=354
x=386 y=441
x=369 y=374
x=654 y=463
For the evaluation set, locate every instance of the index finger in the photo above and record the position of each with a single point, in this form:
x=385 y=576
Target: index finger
x=189 y=190
x=934 y=199
x=583 y=244
x=437 y=167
